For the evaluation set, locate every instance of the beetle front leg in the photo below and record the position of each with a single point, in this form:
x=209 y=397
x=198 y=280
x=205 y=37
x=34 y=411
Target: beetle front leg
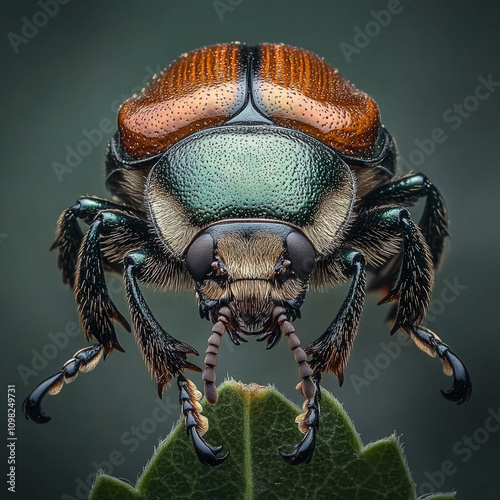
x=114 y=233
x=83 y=361
x=308 y=424
x=196 y=424
x=164 y=355
x=331 y=351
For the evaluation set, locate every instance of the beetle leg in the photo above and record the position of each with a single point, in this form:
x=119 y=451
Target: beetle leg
x=412 y=290
x=83 y=361
x=377 y=233
x=69 y=235
x=371 y=233
x=196 y=424
x=405 y=192
x=164 y=355
x=308 y=424
x=331 y=351
x=115 y=233
x=68 y=240
x=96 y=309
x=433 y=223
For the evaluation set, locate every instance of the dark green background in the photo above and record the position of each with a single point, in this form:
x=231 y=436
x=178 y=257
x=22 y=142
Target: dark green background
x=90 y=56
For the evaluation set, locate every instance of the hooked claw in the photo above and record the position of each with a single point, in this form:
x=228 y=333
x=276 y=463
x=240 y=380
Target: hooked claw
x=191 y=408
x=461 y=389
x=84 y=360
x=309 y=424
x=206 y=453
x=303 y=451
x=32 y=405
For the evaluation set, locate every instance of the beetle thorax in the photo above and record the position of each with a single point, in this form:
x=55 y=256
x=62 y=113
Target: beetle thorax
x=251 y=279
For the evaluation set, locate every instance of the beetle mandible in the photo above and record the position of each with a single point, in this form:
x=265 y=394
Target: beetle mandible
x=251 y=174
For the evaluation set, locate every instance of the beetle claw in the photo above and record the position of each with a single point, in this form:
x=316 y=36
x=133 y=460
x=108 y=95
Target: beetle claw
x=32 y=405
x=84 y=360
x=308 y=424
x=461 y=389
x=206 y=453
x=303 y=451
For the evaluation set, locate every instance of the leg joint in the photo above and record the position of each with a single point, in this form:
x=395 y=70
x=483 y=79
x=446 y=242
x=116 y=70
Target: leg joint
x=135 y=260
x=353 y=260
x=112 y=218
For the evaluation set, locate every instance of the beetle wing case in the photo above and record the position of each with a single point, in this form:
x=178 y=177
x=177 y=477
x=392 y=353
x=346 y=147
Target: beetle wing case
x=288 y=86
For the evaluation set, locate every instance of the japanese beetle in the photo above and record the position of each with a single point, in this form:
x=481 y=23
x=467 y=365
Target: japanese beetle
x=250 y=174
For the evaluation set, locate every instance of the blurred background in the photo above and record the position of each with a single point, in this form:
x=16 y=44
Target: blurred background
x=68 y=65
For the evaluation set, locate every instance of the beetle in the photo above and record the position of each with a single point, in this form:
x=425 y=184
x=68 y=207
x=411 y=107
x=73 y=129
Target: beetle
x=250 y=174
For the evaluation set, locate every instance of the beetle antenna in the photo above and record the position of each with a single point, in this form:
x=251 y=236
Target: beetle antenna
x=308 y=387
x=208 y=375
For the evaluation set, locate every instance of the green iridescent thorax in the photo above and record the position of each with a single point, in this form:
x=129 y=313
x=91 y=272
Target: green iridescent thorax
x=250 y=171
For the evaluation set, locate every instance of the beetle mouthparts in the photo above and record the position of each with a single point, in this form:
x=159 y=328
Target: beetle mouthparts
x=251 y=328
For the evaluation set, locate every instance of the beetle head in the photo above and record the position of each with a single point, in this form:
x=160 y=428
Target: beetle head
x=250 y=267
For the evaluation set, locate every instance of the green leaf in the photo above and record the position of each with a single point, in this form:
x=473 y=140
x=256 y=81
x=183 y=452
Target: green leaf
x=254 y=422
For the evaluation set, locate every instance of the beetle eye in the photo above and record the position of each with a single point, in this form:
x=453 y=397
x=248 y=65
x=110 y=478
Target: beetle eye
x=200 y=256
x=301 y=254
